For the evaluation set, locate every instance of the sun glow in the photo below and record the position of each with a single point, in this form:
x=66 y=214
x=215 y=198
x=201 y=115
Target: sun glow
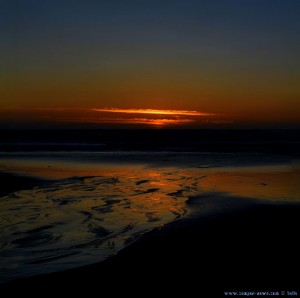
x=161 y=122
x=152 y=111
x=148 y=121
x=114 y=116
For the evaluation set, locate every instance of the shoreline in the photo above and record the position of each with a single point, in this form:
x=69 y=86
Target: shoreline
x=247 y=245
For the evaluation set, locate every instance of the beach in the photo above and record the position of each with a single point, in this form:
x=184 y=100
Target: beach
x=251 y=247
x=162 y=221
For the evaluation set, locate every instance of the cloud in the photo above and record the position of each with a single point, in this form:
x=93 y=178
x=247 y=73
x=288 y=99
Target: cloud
x=148 y=121
x=153 y=117
x=153 y=111
x=113 y=116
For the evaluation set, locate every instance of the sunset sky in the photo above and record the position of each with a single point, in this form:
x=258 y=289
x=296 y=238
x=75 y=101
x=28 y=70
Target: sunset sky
x=187 y=63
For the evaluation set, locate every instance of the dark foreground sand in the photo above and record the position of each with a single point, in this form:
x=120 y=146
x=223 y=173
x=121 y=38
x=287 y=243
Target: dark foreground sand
x=11 y=182
x=226 y=244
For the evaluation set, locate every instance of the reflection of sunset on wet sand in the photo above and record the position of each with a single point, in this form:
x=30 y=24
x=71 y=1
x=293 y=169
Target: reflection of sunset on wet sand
x=267 y=182
x=87 y=211
x=87 y=217
x=270 y=183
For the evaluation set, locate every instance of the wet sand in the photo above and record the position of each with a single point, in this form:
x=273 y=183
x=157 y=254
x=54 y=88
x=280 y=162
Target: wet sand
x=226 y=244
x=79 y=220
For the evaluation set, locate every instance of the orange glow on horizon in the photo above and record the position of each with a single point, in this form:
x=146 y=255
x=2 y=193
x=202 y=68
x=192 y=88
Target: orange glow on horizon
x=114 y=116
x=163 y=122
x=153 y=111
x=149 y=121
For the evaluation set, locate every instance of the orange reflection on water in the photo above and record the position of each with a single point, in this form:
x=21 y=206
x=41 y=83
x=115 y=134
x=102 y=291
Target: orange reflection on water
x=89 y=210
x=92 y=210
x=275 y=183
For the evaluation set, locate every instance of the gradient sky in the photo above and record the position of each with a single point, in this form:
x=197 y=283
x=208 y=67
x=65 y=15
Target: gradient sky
x=236 y=61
